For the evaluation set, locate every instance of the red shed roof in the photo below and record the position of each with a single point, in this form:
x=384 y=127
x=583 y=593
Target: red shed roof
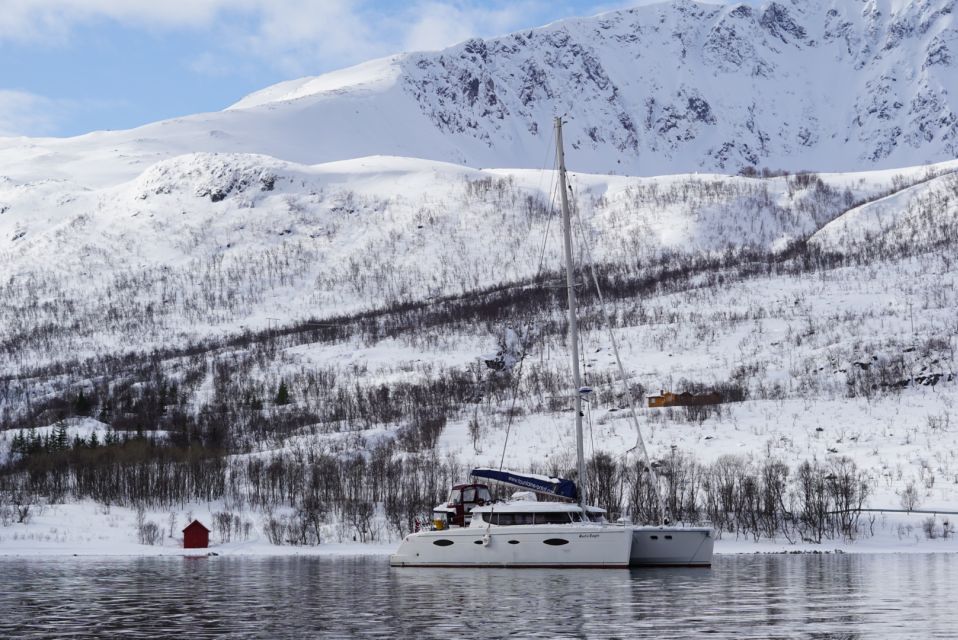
x=195 y=523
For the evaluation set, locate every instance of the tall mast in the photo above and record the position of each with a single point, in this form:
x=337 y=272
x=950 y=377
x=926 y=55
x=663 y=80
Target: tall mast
x=573 y=321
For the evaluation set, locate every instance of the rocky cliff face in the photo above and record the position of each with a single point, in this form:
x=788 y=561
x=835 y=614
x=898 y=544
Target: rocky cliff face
x=820 y=83
x=826 y=85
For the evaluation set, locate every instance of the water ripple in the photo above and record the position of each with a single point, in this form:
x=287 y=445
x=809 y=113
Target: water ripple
x=847 y=597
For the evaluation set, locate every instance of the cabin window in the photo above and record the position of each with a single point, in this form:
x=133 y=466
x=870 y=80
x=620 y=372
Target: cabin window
x=654 y=537
x=668 y=537
x=555 y=542
x=443 y=543
x=513 y=542
x=558 y=517
x=490 y=517
x=469 y=495
x=477 y=542
x=508 y=519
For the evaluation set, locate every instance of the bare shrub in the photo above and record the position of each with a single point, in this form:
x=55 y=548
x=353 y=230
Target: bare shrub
x=275 y=529
x=149 y=533
x=910 y=500
x=605 y=488
x=223 y=522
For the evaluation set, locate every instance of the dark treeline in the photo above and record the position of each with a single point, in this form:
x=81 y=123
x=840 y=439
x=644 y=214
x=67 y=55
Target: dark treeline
x=633 y=274
x=137 y=390
x=811 y=502
x=157 y=391
x=483 y=307
x=378 y=493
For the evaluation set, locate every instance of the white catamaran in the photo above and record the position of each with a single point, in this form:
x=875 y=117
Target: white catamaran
x=472 y=531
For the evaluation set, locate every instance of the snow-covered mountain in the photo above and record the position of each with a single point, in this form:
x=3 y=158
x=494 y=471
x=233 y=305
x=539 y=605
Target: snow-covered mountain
x=681 y=86
x=362 y=239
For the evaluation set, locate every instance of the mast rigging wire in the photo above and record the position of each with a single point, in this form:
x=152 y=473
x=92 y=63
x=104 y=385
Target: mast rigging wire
x=623 y=378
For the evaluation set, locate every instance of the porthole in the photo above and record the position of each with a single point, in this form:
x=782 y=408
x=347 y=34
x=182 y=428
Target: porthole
x=668 y=537
x=477 y=542
x=556 y=542
x=443 y=543
x=513 y=542
x=654 y=537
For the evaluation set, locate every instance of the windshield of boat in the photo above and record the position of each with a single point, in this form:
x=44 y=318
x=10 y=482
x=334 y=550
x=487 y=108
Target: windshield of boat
x=469 y=494
x=454 y=496
x=484 y=494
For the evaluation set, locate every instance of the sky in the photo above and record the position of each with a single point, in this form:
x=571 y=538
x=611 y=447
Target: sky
x=68 y=67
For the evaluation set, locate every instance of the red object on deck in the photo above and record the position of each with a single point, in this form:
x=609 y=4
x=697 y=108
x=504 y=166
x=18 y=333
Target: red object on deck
x=196 y=536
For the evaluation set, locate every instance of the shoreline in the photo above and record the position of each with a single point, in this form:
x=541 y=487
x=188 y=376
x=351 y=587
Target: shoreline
x=86 y=529
x=24 y=549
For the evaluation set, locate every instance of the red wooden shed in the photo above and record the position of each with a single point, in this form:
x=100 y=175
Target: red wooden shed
x=196 y=536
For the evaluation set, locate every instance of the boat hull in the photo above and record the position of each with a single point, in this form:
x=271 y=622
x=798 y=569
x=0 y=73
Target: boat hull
x=671 y=547
x=536 y=546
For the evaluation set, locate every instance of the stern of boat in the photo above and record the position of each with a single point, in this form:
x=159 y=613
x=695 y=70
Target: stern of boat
x=672 y=547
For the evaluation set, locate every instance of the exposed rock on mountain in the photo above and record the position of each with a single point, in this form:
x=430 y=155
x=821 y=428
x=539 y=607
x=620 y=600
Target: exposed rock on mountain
x=830 y=85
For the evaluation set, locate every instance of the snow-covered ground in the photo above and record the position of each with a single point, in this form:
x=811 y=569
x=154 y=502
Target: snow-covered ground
x=90 y=529
x=87 y=528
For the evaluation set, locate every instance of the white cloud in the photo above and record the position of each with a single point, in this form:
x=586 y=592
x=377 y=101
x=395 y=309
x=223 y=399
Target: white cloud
x=23 y=113
x=46 y=20
x=295 y=36
x=303 y=36
x=27 y=114
x=298 y=35
x=435 y=25
x=280 y=27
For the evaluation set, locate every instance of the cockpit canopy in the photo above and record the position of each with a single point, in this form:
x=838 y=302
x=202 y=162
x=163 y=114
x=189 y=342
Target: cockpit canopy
x=470 y=494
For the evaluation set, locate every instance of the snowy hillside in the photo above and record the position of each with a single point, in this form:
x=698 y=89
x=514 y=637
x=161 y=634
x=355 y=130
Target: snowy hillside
x=302 y=307
x=187 y=295
x=825 y=85
x=205 y=244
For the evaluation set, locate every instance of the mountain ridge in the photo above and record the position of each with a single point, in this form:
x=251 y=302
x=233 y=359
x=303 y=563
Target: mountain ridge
x=667 y=88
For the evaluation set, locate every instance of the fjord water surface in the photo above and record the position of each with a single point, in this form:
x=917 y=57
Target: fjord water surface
x=777 y=596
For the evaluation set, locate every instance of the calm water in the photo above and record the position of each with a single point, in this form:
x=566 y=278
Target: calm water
x=845 y=596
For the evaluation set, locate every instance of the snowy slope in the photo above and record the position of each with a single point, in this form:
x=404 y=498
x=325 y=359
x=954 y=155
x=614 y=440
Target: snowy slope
x=203 y=244
x=828 y=85
x=923 y=215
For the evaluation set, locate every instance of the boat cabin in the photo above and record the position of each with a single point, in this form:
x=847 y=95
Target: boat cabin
x=525 y=509
x=457 y=510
